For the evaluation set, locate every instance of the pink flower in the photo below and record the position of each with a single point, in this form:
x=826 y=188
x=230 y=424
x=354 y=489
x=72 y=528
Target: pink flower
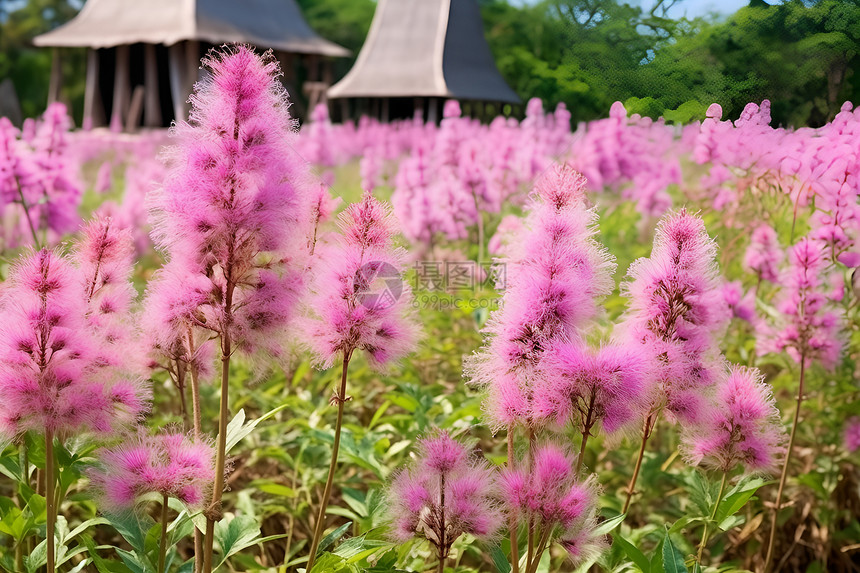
x=764 y=255
x=852 y=434
x=54 y=373
x=741 y=305
x=589 y=389
x=168 y=464
x=359 y=299
x=550 y=495
x=806 y=328
x=442 y=495
x=234 y=210
x=675 y=313
x=742 y=427
x=554 y=279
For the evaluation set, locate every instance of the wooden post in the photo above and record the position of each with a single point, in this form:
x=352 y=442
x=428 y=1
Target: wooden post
x=418 y=110
x=135 y=109
x=152 y=103
x=177 y=91
x=192 y=64
x=385 y=109
x=120 y=88
x=56 y=77
x=92 y=88
x=433 y=112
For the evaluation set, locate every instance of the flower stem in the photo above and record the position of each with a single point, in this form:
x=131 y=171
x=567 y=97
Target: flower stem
x=162 y=548
x=49 y=499
x=586 y=432
x=443 y=549
x=544 y=540
x=530 y=551
x=214 y=511
x=784 y=476
x=198 y=431
x=705 y=533
x=512 y=524
x=27 y=216
x=319 y=526
x=646 y=433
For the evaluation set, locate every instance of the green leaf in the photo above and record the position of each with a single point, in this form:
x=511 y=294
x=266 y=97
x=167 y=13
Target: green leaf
x=633 y=553
x=237 y=429
x=673 y=560
x=609 y=525
x=235 y=535
x=738 y=497
x=499 y=559
x=334 y=535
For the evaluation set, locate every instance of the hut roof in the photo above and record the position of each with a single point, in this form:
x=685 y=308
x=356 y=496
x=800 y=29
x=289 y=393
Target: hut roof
x=277 y=24
x=431 y=48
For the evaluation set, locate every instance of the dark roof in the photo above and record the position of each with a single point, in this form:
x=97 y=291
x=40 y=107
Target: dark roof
x=426 y=48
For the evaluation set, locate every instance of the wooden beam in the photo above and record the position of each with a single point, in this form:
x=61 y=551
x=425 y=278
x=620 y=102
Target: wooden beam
x=120 y=88
x=175 y=55
x=152 y=103
x=91 y=89
x=135 y=110
x=56 y=77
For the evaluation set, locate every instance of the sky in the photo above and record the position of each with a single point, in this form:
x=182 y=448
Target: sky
x=693 y=8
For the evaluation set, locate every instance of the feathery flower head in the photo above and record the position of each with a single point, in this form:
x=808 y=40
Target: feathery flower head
x=806 y=326
x=742 y=427
x=442 y=495
x=675 y=313
x=764 y=255
x=52 y=374
x=589 y=388
x=234 y=207
x=552 y=496
x=852 y=434
x=169 y=464
x=555 y=275
x=359 y=299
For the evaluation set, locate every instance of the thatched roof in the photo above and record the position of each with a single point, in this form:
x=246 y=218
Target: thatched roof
x=429 y=48
x=276 y=24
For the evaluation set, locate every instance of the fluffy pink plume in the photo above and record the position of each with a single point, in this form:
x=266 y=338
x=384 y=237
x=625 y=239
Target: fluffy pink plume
x=359 y=299
x=852 y=434
x=676 y=314
x=551 y=496
x=742 y=427
x=806 y=326
x=554 y=279
x=591 y=389
x=764 y=255
x=54 y=370
x=234 y=210
x=442 y=495
x=168 y=464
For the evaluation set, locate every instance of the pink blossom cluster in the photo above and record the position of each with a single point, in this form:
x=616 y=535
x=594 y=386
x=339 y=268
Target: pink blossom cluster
x=676 y=314
x=742 y=428
x=635 y=156
x=233 y=215
x=61 y=371
x=555 y=274
x=168 y=464
x=807 y=328
x=549 y=492
x=445 y=493
x=40 y=189
x=812 y=166
x=358 y=299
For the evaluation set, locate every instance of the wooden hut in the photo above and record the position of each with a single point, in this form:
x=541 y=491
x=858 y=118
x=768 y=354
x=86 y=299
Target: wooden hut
x=144 y=56
x=419 y=53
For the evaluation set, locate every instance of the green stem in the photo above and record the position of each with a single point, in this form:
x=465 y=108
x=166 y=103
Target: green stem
x=544 y=540
x=705 y=533
x=319 y=526
x=198 y=432
x=646 y=433
x=214 y=512
x=49 y=499
x=443 y=550
x=586 y=432
x=512 y=524
x=784 y=477
x=27 y=215
x=162 y=547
